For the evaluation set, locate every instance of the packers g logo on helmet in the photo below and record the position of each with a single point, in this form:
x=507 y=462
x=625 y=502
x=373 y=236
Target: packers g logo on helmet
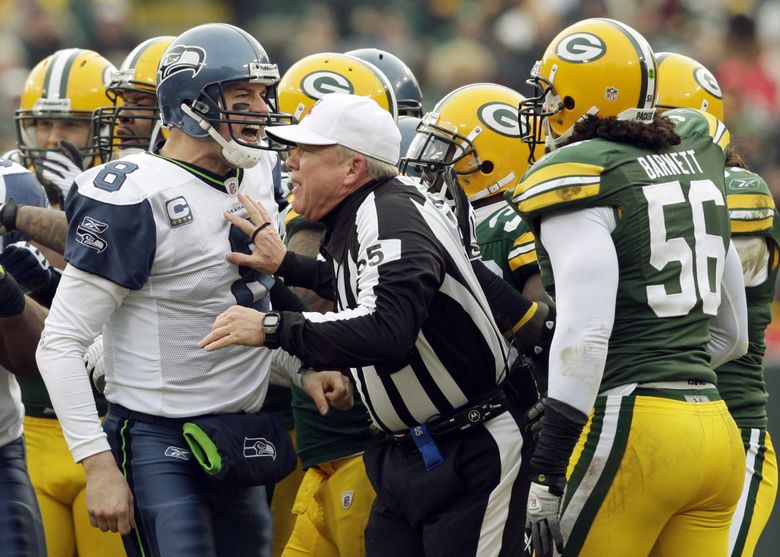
x=581 y=48
x=704 y=77
x=316 y=75
x=501 y=118
x=182 y=58
x=320 y=83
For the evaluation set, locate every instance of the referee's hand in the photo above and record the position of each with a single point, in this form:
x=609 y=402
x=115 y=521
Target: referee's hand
x=236 y=325
x=269 y=250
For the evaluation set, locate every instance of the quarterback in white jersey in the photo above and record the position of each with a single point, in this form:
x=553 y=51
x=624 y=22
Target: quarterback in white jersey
x=146 y=250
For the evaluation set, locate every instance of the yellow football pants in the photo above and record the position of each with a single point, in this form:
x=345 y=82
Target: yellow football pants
x=60 y=486
x=654 y=476
x=758 y=493
x=282 y=505
x=332 y=508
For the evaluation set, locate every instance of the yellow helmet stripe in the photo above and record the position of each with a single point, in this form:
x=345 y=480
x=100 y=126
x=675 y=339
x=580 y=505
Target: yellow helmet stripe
x=647 y=63
x=132 y=59
x=55 y=84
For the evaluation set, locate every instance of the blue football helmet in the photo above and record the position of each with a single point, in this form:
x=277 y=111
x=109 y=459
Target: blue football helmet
x=408 y=126
x=407 y=91
x=191 y=80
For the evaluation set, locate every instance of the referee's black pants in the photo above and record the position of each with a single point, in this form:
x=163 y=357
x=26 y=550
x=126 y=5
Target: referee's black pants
x=471 y=505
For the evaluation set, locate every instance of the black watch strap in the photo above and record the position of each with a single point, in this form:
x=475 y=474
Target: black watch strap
x=272 y=322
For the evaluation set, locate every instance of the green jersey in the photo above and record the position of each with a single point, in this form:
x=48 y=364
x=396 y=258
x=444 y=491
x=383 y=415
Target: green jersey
x=508 y=247
x=320 y=438
x=671 y=239
x=753 y=214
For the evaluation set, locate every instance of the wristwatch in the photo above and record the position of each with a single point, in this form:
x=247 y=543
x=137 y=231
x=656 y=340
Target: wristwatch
x=271 y=322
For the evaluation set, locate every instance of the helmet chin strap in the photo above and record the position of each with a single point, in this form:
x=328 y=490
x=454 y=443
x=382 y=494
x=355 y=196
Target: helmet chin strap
x=239 y=156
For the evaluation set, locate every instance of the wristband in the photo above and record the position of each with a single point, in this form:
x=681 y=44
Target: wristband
x=561 y=428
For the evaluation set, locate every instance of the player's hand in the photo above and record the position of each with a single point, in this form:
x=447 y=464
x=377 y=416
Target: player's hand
x=58 y=169
x=8 y=211
x=543 y=515
x=269 y=250
x=533 y=424
x=328 y=388
x=93 y=361
x=28 y=266
x=236 y=325
x=108 y=496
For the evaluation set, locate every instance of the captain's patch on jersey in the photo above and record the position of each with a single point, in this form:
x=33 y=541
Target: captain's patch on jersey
x=178 y=211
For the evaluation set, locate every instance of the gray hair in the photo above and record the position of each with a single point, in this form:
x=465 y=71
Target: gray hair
x=378 y=170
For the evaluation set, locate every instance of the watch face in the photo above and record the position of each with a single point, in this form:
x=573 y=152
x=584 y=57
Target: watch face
x=270 y=320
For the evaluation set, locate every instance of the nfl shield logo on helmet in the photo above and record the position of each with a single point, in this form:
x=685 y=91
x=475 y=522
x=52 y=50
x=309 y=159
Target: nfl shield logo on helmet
x=611 y=94
x=346 y=499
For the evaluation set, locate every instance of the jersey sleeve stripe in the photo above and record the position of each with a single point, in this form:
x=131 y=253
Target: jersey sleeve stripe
x=524 y=238
x=748 y=226
x=718 y=132
x=519 y=259
x=563 y=170
x=756 y=201
x=565 y=192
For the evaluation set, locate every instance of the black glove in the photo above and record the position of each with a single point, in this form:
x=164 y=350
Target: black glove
x=543 y=514
x=32 y=271
x=8 y=211
x=11 y=296
x=28 y=266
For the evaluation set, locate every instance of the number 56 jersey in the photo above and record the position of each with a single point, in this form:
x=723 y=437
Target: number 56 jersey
x=157 y=227
x=671 y=239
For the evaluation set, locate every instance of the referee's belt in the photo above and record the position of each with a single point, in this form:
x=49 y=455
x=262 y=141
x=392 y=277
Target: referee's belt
x=460 y=421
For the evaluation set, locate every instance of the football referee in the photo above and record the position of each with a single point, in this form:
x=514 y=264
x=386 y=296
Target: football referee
x=411 y=323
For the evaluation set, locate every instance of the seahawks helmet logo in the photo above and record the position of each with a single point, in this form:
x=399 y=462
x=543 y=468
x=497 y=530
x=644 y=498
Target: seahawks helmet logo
x=320 y=83
x=181 y=58
x=500 y=117
x=580 y=48
x=707 y=82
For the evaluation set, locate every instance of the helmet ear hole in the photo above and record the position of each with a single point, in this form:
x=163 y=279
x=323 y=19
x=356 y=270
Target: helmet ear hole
x=486 y=167
x=568 y=103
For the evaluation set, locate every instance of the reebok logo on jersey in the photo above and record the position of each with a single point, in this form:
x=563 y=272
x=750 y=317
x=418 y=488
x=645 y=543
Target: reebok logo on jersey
x=258 y=446
x=87 y=234
x=176 y=452
x=178 y=211
x=93 y=225
x=346 y=499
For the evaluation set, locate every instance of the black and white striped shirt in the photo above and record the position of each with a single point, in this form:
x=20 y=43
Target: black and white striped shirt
x=411 y=320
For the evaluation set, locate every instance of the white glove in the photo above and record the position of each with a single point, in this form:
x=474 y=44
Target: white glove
x=93 y=360
x=543 y=520
x=59 y=168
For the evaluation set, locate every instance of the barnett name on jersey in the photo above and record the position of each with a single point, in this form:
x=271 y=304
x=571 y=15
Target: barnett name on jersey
x=156 y=227
x=670 y=259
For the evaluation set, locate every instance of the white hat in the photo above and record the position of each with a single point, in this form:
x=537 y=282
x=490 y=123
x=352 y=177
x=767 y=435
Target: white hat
x=357 y=123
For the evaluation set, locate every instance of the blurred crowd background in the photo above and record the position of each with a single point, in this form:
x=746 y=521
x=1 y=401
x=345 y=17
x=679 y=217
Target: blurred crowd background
x=447 y=43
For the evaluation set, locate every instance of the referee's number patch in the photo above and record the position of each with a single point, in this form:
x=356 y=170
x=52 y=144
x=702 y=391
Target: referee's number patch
x=379 y=252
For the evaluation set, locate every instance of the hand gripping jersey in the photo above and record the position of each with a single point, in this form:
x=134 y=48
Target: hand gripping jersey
x=671 y=258
x=153 y=226
x=753 y=215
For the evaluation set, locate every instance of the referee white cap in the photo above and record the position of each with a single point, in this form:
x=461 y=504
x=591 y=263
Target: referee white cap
x=357 y=123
